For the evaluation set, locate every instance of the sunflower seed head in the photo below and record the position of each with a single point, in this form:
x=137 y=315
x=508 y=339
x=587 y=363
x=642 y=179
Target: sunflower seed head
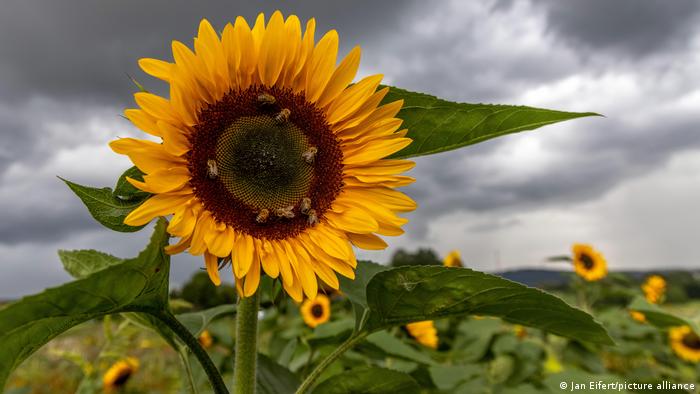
x=310 y=155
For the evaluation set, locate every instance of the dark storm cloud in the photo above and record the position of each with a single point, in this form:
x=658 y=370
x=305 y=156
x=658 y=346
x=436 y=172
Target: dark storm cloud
x=636 y=27
x=81 y=50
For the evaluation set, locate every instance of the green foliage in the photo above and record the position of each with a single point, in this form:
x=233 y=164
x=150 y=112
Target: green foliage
x=137 y=284
x=423 y=256
x=109 y=207
x=199 y=291
x=81 y=263
x=406 y=294
x=437 y=125
x=657 y=316
x=369 y=381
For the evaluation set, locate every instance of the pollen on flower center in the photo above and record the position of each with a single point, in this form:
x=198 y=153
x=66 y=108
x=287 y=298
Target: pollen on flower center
x=263 y=176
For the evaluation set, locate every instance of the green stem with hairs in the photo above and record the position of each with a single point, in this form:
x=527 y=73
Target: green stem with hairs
x=316 y=373
x=246 y=345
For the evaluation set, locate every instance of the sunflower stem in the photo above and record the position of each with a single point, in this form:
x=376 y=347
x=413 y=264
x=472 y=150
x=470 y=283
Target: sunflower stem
x=316 y=373
x=246 y=345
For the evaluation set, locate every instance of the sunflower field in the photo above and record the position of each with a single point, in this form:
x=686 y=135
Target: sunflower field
x=271 y=162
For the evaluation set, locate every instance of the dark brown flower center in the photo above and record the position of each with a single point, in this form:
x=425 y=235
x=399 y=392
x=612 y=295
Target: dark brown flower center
x=317 y=311
x=587 y=261
x=691 y=340
x=265 y=162
x=122 y=377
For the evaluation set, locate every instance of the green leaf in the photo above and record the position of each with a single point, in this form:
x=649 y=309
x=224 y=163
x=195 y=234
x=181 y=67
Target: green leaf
x=273 y=378
x=196 y=322
x=407 y=294
x=393 y=346
x=657 y=316
x=109 y=207
x=81 y=263
x=125 y=190
x=356 y=290
x=437 y=125
x=368 y=380
x=138 y=284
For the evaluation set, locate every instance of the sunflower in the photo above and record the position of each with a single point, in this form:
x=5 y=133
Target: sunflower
x=589 y=263
x=424 y=332
x=205 y=339
x=638 y=316
x=268 y=155
x=453 y=259
x=685 y=343
x=119 y=373
x=316 y=311
x=654 y=288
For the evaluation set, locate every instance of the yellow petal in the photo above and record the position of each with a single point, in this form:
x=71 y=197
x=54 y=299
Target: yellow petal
x=352 y=220
x=364 y=112
x=367 y=241
x=307 y=47
x=158 y=205
x=179 y=247
x=183 y=222
x=268 y=258
x=386 y=197
x=220 y=243
x=204 y=225
x=156 y=106
x=157 y=68
x=143 y=121
x=321 y=65
x=175 y=140
x=252 y=279
x=349 y=129
x=212 y=264
x=376 y=150
x=148 y=156
x=243 y=252
x=293 y=288
x=382 y=167
x=329 y=241
x=283 y=262
x=273 y=50
x=342 y=77
x=163 y=180
x=352 y=98
x=292 y=27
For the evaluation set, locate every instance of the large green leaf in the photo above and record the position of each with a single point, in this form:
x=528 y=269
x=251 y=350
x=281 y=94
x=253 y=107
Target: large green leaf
x=111 y=207
x=138 y=284
x=196 y=322
x=368 y=380
x=406 y=294
x=437 y=125
x=81 y=263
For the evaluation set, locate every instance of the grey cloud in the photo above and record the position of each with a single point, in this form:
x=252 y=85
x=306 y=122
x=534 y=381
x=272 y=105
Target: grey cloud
x=634 y=27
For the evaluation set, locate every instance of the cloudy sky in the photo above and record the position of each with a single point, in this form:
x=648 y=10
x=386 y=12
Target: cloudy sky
x=628 y=183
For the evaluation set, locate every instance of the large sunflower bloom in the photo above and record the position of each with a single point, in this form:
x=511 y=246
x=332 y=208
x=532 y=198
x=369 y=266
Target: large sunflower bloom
x=685 y=343
x=119 y=373
x=270 y=157
x=316 y=311
x=654 y=288
x=589 y=263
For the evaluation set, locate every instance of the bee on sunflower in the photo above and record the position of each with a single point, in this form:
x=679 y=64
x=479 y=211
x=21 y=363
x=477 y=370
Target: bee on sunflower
x=685 y=343
x=268 y=156
x=654 y=288
x=453 y=259
x=424 y=332
x=119 y=374
x=589 y=263
x=316 y=311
